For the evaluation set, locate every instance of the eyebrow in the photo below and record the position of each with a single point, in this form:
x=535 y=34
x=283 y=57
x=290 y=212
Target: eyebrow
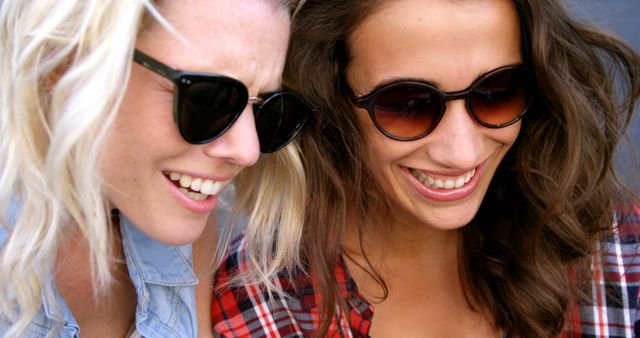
x=433 y=83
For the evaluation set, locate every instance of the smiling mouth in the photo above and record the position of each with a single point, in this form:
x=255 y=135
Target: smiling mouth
x=196 y=188
x=443 y=183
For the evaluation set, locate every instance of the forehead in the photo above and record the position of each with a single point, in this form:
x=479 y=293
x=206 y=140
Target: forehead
x=443 y=41
x=244 y=39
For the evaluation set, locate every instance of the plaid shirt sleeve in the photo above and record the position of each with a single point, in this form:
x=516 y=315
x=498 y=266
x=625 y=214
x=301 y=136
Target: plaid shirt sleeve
x=250 y=311
x=613 y=311
x=246 y=310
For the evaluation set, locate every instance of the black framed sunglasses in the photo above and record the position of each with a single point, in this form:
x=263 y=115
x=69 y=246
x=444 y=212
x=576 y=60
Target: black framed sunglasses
x=206 y=105
x=407 y=110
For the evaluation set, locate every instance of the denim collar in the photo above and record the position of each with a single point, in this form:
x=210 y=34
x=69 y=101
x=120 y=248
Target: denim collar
x=154 y=262
x=165 y=286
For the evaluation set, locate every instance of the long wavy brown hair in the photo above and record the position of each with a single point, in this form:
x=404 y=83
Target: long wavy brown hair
x=526 y=253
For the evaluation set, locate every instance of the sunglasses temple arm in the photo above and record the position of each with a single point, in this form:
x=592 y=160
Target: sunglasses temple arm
x=155 y=65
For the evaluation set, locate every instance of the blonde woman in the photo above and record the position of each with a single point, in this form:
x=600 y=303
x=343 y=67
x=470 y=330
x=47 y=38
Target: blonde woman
x=121 y=123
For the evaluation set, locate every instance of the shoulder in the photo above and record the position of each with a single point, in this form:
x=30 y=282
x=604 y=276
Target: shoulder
x=619 y=251
x=627 y=222
x=292 y=309
x=613 y=292
x=246 y=309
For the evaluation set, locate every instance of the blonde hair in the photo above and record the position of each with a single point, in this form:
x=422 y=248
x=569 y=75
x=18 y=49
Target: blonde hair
x=269 y=201
x=272 y=195
x=64 y=67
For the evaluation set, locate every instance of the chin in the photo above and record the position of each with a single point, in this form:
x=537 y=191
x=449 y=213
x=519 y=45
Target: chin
x=446 y=226
x=173 y=232
x=182 y=234
x=177 y=239
x=453 y=219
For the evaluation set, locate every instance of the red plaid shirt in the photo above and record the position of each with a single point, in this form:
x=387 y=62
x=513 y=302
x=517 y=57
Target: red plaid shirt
x=248 y=311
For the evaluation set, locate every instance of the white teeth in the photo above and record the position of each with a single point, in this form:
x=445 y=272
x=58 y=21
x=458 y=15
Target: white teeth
x=185 y=181
x=196 y=184
x=196 y=196
x=430 y=180
x=211 y=187
x=193 y=195
x=205 y=187
x=448 y=184
x=470 y=175
x=453 y=183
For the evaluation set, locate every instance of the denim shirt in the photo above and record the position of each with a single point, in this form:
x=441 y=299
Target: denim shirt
x=165 y=286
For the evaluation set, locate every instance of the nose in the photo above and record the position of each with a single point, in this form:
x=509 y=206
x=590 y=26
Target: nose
x=457 y=142
x=239 y=144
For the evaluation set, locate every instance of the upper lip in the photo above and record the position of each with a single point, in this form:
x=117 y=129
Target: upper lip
x=445 y=175
x=449 y=174
x=216 y=177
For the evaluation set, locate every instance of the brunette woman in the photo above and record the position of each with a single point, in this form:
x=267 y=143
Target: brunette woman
x=460 y=178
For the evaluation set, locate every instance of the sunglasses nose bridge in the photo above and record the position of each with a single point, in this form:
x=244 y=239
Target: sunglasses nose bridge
x=255 y=100
x=457 y=95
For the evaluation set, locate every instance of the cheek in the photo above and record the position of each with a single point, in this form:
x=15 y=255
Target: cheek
x=114 y=169
x=372 y=145
x=505 y=138
x=507 y=135
x=383 y=155
x=142 y=131
x=381 y=152
x=146 y=118
x=127 y=138
x=146 y=111
x=122 y=152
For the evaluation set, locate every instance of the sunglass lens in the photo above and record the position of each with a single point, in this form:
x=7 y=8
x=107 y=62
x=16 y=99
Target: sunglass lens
x=207 y=109
x=502 y=98
x=407 y=111
x=279 y=120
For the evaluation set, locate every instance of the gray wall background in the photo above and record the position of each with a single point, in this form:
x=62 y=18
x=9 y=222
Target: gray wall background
x=623 y=18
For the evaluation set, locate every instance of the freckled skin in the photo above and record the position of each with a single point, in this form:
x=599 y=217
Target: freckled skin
x=144 y=143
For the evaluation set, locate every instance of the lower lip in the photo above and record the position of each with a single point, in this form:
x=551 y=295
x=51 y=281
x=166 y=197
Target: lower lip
x=204 y=206
x=446 y=195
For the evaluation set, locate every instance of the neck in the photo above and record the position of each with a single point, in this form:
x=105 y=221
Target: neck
x=420 y=269
x=417 y=242
x=400 y=248
x=74 y=281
